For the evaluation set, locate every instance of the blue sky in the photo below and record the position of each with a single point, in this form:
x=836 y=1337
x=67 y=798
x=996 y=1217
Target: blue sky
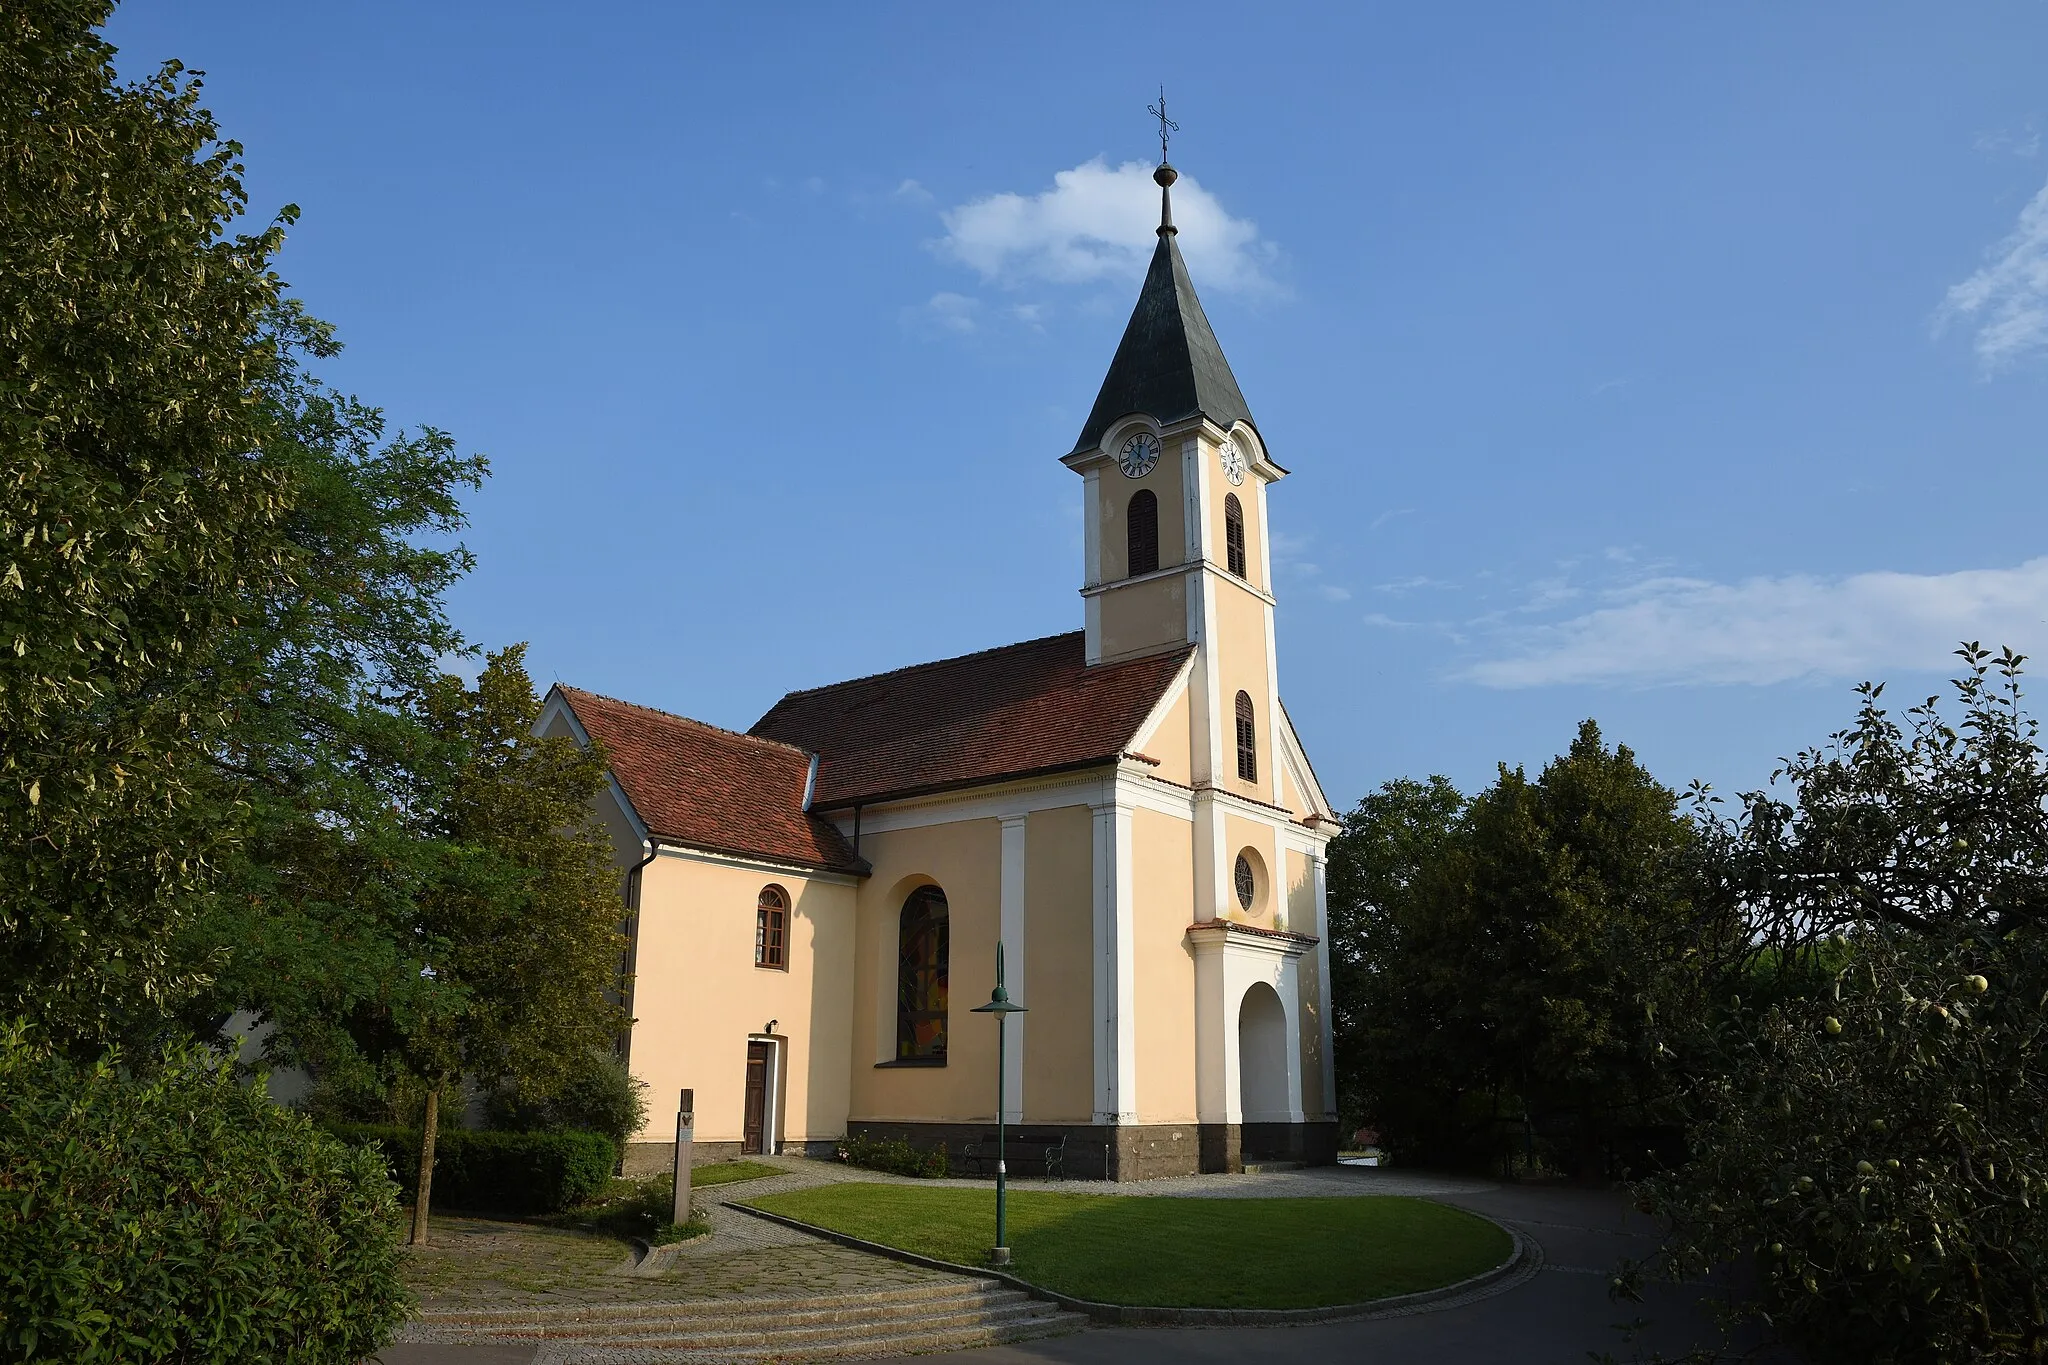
x=1677 y=366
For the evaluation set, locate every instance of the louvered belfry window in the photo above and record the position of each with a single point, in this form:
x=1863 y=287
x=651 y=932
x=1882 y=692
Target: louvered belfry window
x=1233 y=532
x=1247 y=740
x=1141 y=521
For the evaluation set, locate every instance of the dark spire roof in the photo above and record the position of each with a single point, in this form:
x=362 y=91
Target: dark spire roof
x=1168 y=365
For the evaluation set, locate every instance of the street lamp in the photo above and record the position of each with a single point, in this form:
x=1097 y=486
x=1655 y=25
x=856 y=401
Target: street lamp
x=1000 y=1005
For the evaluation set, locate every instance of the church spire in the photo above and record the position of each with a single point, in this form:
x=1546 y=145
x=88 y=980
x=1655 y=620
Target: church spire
x=1168 y=365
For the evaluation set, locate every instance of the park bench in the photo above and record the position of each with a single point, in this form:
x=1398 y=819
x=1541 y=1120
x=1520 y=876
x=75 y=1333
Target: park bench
x=1024 y=1151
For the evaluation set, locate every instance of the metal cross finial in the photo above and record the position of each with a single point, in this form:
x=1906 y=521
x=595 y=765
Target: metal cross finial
x=1167 y=127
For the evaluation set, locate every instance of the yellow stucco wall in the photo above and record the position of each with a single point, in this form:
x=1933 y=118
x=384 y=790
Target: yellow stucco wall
x=1059 y=986
x=1144 y=616
x=1163 y=887
x=1251 y=494
x=1172 y=744
x=1300 y=894
x=1241 y=666
x=1240 y=834
x=1114 y=493
x=699 y=995
x=965 y=860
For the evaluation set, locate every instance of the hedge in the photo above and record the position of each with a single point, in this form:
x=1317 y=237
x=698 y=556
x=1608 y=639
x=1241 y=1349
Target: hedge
x=518 y=1173
x=894 y=1155
x=170 y=1212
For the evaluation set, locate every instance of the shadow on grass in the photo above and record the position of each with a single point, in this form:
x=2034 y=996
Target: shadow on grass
x=1173 y=1252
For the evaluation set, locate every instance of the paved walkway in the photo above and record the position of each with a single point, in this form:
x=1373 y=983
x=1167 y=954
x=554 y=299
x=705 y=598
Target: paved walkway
x=1558 y=1314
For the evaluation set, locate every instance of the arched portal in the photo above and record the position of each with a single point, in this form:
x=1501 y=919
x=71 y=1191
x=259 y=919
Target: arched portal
x=1262 y=1056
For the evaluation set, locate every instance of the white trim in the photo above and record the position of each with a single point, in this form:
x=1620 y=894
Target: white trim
x=1319 y=868
x=557 y=704
x=699 y=855
x=1273 y=721
x=1015 y=833
x=1091 y=522
x=1102 y=964
x=1081 y=787
x=1114 y=978
x=1304 y=774
x=1175 y=690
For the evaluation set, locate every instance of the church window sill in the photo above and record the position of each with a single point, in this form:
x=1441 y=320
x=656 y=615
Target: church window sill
x=911 y=1061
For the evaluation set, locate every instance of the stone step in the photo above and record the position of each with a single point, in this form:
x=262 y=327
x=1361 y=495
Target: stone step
x=1273 y=1167
x=909 y=1342
x=738 y=1331
x=801 y=1337
x=907 y=1297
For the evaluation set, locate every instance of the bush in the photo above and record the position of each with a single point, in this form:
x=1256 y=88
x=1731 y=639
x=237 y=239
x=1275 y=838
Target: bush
x=894 y=1155
x=516 y=1173
x=601 y=1096
x=173 y=1213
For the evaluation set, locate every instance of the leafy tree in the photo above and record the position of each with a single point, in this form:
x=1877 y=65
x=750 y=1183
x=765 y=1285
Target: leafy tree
x=598 y=1095
x=1865 y=1102
x=485 y=943
x=216 y=596
x=1389 y=842
x=138 y=519
x=1511 y=962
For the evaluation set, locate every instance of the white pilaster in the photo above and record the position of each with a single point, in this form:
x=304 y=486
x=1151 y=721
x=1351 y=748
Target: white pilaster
x=1091 y=539
x=1014 y=828
x=1115 y=975
x=1318 y=866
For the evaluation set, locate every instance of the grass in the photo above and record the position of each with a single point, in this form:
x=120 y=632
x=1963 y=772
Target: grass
x=727 y=1173
x=1171 y=1252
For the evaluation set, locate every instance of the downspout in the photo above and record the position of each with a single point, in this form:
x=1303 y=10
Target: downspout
x=631 y=957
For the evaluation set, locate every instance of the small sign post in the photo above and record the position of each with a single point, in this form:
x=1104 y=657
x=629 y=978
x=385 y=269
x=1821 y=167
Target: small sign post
x=686 y=1119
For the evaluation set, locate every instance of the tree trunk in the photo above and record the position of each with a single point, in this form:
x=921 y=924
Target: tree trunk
x=425 y=1188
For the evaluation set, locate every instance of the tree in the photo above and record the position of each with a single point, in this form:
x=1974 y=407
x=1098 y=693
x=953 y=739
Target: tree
x=214 y=596
x=1864 y=1099
x=477 y=927
x=1509 y=963
x=138 y=517
x=1389 y=842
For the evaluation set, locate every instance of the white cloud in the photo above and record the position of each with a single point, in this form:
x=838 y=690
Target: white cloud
x=1098 y=222
x=1332 y=593
x=913 y=192
x=1771 y=630
x=2007 y=300
x=950 y=312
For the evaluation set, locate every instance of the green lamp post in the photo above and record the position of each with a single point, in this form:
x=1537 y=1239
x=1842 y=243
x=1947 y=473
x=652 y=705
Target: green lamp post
x=1002 y=1007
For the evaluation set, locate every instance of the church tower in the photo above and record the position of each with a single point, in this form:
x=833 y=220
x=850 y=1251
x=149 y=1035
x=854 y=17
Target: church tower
x=1177 y=551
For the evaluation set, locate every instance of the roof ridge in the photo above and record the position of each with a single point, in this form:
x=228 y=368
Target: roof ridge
x=686 y=720
x=929 y=663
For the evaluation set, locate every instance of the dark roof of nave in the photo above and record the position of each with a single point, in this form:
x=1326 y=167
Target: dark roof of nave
x=696 y=784
x=1035 y=707
x=1168 y=365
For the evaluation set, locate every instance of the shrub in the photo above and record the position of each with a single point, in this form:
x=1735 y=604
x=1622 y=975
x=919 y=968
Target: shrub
x=600 y=1096
x=516 y=1173
x=894 y=1155
x=171 y=1213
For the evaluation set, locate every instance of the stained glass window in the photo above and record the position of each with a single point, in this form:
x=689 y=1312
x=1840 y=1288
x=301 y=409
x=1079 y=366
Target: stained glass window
x=921 y=953
x=1247 y=887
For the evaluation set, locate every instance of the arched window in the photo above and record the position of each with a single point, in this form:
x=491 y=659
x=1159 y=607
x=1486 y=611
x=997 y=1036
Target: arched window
x=1233 y=533
x=921 y=953
x=1247 y=740
x=1141 y=522
x=771 y=928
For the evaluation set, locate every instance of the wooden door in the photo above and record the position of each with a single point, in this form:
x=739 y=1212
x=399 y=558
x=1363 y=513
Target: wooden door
x=755 y=1132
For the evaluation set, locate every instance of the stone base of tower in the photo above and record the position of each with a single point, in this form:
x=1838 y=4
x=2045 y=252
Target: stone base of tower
x=1132 y=1151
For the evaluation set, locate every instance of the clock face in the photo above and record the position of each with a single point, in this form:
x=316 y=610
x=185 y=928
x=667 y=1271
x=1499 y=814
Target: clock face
x=1139 y=454
x=1233 y=461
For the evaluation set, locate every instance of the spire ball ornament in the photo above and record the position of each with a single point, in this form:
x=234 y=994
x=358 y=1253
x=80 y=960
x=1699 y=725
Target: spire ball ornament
x=1166 y=174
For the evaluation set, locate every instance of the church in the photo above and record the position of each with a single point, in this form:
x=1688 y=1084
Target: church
x=814 y=906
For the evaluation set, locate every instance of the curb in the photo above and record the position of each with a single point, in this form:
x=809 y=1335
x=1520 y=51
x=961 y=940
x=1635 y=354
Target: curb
x=1524 y=1259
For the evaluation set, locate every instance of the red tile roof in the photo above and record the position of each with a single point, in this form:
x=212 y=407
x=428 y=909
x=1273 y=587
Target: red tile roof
x=1028 y=708
x=712 y=789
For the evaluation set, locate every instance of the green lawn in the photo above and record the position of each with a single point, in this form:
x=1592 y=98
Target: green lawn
x=1173 y=1252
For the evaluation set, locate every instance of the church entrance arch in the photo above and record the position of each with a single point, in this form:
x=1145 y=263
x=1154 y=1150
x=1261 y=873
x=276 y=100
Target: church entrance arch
x=1262 y=1055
